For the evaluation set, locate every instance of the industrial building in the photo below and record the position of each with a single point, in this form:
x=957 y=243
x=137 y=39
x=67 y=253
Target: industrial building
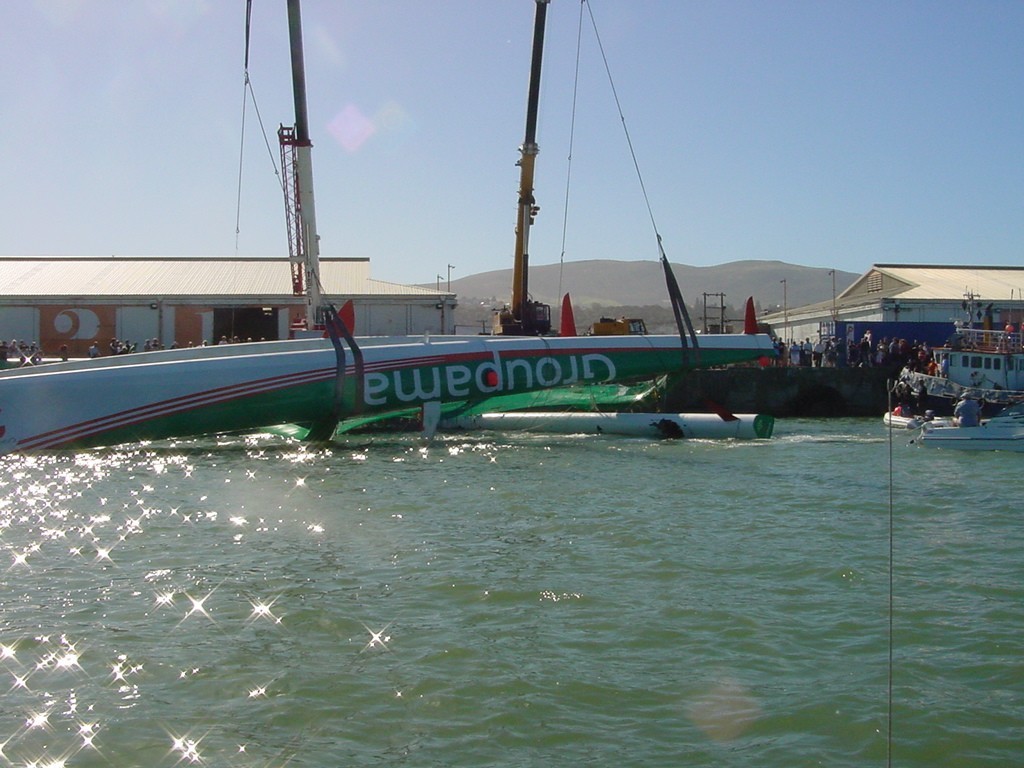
x=76 y=301
x=915 y=302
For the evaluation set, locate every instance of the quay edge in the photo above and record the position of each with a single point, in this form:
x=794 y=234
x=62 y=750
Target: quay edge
x=783 y=392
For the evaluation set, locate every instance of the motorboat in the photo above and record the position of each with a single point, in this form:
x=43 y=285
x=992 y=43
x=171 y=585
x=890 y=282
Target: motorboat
x=1003 y=432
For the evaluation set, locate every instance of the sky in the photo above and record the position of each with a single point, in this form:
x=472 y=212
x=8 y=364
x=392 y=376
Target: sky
x=818 y=133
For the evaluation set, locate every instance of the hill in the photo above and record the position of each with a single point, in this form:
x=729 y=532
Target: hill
x=637 y=288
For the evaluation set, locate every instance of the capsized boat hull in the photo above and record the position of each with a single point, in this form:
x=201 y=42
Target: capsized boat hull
x=187 y=392
x=744 y=426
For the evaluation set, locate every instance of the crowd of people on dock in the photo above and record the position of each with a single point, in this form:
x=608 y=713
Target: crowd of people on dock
x=20 y=352
x=832 y=352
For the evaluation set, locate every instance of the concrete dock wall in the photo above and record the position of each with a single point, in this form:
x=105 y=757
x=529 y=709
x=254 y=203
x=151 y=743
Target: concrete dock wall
x=793 y=391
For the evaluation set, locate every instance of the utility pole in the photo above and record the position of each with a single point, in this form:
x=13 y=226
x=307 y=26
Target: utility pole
x=721 y=312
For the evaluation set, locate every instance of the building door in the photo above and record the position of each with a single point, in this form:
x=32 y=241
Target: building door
x=245 y=324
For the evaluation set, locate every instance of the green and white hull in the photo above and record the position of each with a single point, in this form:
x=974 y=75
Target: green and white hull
x=229 y=388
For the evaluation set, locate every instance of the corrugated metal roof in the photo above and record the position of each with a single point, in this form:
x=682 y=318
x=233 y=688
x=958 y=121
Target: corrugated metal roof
x=939 y=282
x=168 y=276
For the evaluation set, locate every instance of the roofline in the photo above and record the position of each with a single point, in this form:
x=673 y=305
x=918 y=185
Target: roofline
x=205 y=259
x=126 y=299
x=939 y=266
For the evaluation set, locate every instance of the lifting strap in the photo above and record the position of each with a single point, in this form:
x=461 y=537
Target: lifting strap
x=679 y=310
x=337 y=331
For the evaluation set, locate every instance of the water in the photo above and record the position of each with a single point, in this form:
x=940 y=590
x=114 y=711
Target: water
x=512 y=600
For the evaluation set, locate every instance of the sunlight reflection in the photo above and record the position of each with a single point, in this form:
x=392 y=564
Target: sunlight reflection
x=69 y=660
x=377 y=639
x=199 y=605
x=262 y=610
x=20 y=558
x=38 y=720
x=186 y=747
x=20 y=681
x=87 y=732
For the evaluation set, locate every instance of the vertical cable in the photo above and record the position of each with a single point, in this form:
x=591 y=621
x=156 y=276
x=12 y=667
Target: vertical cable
x=888 y=739
x=572 y=135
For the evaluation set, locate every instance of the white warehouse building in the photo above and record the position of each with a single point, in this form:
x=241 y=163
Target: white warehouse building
x=909 y=301
x=75 y=301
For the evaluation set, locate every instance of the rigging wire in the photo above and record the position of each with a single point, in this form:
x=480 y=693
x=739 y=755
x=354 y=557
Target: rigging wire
x=625 y=129
x=241 y=137
x=241 y=152
x=889 y=681
x=682 y=315
x=572 y=135
x=270 y=152
x=247 y=91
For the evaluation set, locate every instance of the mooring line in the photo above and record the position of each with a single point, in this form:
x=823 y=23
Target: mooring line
x=888 y=739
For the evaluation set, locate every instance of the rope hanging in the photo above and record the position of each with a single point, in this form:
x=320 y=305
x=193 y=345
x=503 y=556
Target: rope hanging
x=682 y=317
x=248 y=91
x=572 y=136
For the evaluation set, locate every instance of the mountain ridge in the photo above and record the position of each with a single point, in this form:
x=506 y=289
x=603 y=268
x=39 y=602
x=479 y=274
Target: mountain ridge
x=608 y=282
x=607 y=287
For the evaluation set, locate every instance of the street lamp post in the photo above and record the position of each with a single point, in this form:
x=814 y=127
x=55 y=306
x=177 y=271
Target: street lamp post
x=785 y=309
x=835 y=315
x=450 y=268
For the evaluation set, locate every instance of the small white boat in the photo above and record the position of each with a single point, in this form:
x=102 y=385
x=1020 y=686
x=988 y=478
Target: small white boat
x=743 y=426
x=1003 y=432
x=898 y=420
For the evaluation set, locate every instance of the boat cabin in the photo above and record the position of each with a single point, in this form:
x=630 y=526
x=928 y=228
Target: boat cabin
x=984 y=359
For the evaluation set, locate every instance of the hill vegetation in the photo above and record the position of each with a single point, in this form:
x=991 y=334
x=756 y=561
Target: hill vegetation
x=607 y=288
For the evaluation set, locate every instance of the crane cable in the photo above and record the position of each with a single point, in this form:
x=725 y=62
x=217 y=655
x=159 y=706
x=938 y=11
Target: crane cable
x=682 y=316
x=572 y=136
x=892 y=592
x=247 y=91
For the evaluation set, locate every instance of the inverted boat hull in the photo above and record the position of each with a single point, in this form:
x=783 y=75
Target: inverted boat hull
x=178 y=393
x=669 y=425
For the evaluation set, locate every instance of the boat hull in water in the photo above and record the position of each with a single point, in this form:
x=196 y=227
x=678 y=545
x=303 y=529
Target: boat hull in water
x=743 y=426
x=245 y=387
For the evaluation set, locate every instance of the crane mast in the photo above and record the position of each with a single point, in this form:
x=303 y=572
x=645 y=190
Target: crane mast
x=524 y=317
x=297 y=181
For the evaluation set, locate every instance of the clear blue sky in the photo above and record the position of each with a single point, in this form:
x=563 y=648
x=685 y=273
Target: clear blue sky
x=829 y=134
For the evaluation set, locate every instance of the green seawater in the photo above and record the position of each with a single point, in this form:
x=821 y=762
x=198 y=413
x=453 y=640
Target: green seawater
x=513 y=600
